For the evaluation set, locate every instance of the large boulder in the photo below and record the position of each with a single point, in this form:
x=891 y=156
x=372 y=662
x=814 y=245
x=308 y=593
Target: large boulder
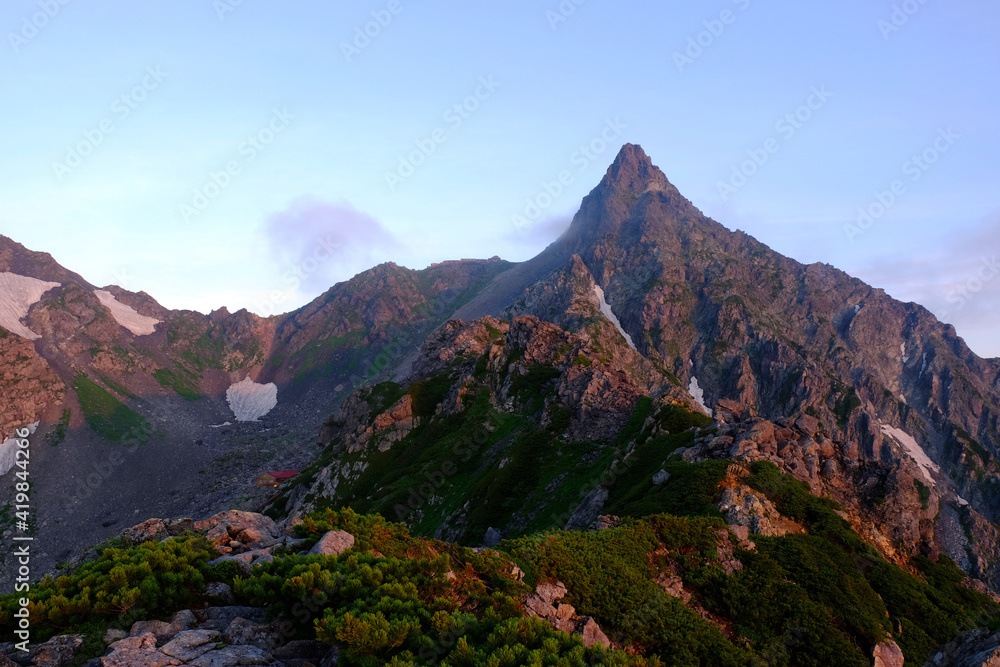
x=137 y=652
x=261 y=635
x=235 y=656
x=888 y=654
x=333 y=543
x=191 y=644
x=219 y=618
x=56 y=652
x=592 y=634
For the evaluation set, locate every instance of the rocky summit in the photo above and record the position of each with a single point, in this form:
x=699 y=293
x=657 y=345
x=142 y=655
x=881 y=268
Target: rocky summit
x=658 y=442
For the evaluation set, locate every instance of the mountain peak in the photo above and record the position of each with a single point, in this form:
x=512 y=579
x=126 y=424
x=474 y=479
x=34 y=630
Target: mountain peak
x=634 y=172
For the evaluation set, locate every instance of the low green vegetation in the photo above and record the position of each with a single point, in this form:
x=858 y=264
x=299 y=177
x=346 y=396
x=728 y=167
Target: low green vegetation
x=106 y=415
x=58 y=432
x=178 y=382
x=396 y=599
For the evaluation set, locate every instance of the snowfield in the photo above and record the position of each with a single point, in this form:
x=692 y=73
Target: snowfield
x=18 y=294
x=915 y=451
x=608 y=313
x=699 y=395
x=8 y=451
x=250 y=401
x=126 y=316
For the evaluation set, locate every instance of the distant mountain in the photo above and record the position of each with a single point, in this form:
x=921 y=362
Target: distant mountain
x=132 y=397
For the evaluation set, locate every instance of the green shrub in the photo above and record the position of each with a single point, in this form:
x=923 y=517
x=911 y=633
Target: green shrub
x=427 y=394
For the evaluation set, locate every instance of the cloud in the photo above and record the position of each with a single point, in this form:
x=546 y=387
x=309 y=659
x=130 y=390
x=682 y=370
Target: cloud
x=317 y=243
x=959 y=281
x=538 y=235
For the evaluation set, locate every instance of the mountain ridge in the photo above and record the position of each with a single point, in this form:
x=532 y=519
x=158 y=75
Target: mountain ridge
x=705 y=307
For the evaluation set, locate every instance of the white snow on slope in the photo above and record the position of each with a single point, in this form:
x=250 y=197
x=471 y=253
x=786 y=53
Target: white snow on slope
x=18 y=294
x=8 y=451
x=914 y=450
x=250 y=401
x=607 y=312
x=699 y=395
x=126 y=316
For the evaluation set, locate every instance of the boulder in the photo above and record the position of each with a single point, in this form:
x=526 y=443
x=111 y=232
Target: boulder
x=137 y=652
x=234 y=656
x=159 y=629
x=493 y=537
x=887 y=654
x=808 y=424
x=56 y=652
x=219 y=618
x=113 y=635
x=219 y=591
x=333 y=543
x=236 y=522
x=261 y=635
x=591 y=634
x=151 y=529
x=164 y=630
x=551 y=592
x=191 y=644
x=661 y=477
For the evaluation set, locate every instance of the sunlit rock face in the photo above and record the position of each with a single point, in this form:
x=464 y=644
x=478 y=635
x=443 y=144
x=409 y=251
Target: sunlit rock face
x=17 y=295
x=126 y=316
x=250 y=401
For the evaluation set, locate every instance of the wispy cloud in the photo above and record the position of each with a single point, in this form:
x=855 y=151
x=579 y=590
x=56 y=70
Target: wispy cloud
x=958 y=280
x=318 y=243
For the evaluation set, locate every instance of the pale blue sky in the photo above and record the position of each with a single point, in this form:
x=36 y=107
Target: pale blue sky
x=329 y=127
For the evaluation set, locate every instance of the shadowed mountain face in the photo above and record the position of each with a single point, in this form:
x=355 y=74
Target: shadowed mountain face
x=711 y=312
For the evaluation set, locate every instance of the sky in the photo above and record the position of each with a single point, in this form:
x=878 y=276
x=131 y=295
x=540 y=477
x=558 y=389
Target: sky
x=244 y=153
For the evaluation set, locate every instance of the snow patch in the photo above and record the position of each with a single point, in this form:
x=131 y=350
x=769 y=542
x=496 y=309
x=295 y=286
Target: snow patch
x=18 y=294
x=220 y=425
x=138 y=324
x=962 y=501
x=902 y=352
x=699 y=395
x=8 y=450
x=250 y=401
x=914 y=450
x=607 y=312
x=923 y=366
